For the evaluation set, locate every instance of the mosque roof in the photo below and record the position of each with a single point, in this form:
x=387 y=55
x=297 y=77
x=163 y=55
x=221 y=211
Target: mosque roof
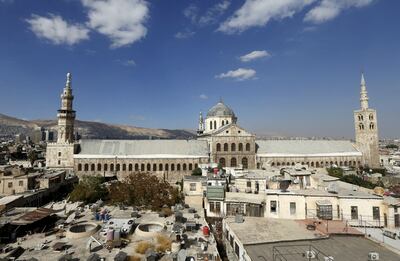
x=220 y=110
x=316 y=148
x=143 y=148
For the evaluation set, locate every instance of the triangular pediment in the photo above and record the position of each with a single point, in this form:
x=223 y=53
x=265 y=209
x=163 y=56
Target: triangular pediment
x=231 y=130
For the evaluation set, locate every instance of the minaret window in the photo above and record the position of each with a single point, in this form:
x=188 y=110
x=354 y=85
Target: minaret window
x=371 y=126
x=361 y=126
x=360 y=118
x=371 y=117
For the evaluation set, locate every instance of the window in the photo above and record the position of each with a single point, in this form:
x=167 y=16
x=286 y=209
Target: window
x=215 y=124
x=192 y=186
x=130 y=167
x=354 y=212
x=172 y=167
x=111 y=167
x=273 y=206
x=21 y=183
x=190 y=166
x=160 y=167
x=166 y=167
x=105 y=167
x=218 y=207
x=59 y=162
x=178 y=167
x=292 y=208
x=86 y=167
x=233 y=162
x=79 y=167
x=324 y=211
x=361 y=126
x=210 y=125
x=248 y=184
x=124 y=167
x=371 y=126
x=212 y=206
x=218 y=147
x=234 y=208
x=59 y=154
x=240 y=147
x=245 y=163
x=237 y=249
x=247 y=146
x=154 y=167
x=148 y=167
x=376 y=214
x=184 y=166
x=98 y=167
x=371 y=117
x=225 y=146
x=233 y=147
x=10 y=185
x=118 y=167
x=92 y=167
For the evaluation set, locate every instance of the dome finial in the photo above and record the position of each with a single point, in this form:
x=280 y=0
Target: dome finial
x=220 y=99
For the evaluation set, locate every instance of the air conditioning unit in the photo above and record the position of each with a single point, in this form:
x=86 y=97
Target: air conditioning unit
x=373 y=256
x=311 y=254
x=329 y=258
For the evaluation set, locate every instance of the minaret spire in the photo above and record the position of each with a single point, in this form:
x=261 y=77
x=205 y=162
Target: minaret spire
x=363 y=93
x=68 y=83
x=201 y=124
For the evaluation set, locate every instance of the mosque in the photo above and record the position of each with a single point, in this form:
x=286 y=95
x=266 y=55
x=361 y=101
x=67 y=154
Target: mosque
x=219 y=140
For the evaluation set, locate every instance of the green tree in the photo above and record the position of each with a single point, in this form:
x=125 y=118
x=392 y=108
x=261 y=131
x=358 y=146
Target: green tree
x=32 y=156
x=197 y=172
x=89 y=189
x=144 y=189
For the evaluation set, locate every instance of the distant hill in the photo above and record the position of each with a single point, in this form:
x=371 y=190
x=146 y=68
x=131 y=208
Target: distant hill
x=9 y=126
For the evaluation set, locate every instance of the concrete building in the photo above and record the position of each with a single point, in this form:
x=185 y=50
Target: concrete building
x=220 y=140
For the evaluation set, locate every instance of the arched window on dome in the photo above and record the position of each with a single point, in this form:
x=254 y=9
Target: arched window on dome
x=210 y=125
x=218 y=146
x=223 y=123
x=225 y=146
x=215 y=125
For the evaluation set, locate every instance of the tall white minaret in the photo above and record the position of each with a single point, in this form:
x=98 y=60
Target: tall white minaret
x=66 y=115
x=200 y=130
x=366 y=129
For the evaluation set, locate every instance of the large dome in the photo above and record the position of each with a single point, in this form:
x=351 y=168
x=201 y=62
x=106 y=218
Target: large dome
x=220 y=110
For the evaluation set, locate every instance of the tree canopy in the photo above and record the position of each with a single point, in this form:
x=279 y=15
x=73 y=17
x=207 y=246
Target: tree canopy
x=89 y=189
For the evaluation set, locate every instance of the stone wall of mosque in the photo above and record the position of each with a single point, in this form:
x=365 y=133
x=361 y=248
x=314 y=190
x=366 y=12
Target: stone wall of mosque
x=60 y=155
x=234 y=151
x=171 y=169
x=313 y=162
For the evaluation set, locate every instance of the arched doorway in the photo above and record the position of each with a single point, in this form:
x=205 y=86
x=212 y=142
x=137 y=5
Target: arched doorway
x=245 y=163
x=222 y=162
x=233 y=162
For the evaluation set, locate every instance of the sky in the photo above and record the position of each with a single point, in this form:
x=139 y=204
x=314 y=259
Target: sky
x=286 y=67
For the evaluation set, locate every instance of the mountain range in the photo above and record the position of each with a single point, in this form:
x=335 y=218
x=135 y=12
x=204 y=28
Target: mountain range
x=10 y=126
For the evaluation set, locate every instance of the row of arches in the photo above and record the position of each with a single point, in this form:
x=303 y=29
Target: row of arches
x=137 y=167
x=234 y=163
x=320 y=164
x=233 y=147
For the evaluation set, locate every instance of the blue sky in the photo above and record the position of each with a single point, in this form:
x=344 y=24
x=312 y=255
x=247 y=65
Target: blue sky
x=286 y=67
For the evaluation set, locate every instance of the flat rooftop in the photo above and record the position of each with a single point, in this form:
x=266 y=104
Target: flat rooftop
x=258 y=230
x=348 y=248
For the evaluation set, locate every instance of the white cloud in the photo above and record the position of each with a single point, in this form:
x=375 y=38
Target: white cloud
x=184 y=34
x=123 y=21
x=203 y=96
x=55 y=29
x=213 y=13
x=329 y=9
x=260 y=12
x=190 y=12
x=254 y=55
x=238 y=74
